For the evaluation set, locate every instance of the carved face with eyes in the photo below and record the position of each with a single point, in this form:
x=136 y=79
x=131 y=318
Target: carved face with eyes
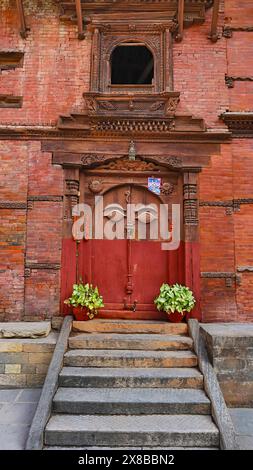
x=141 y=212
x=95 y=186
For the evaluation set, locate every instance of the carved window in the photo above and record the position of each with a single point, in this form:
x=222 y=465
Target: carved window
x=132 y=64
x=134 y=58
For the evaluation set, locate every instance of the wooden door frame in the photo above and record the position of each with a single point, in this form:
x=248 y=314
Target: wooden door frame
x=190 y=200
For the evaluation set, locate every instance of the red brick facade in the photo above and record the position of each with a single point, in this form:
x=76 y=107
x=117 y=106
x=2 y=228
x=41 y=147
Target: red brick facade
x=54 y=75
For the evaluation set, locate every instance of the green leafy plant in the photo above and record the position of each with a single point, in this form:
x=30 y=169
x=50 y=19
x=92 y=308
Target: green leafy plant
x=175 y=298
x=85 y=295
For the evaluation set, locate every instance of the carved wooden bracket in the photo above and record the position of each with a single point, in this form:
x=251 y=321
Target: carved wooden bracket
x=239 y=123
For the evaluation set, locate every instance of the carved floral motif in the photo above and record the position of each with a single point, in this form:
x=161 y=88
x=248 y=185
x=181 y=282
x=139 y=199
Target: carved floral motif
x=90 y=158
x=167 y=188
x=128 y=165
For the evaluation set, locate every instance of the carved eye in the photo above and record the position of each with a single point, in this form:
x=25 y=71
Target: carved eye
x=115 y=212
x=147 y=214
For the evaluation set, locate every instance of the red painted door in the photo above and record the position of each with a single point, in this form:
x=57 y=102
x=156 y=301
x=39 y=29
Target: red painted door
x=129 y=271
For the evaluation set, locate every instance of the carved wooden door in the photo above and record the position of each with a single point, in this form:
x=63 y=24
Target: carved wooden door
x=129 y=269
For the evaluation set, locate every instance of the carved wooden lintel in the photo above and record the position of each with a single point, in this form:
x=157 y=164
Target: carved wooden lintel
x=11 y=101
x=229 y=277
x=146 y=104
x=10 y=60
x=245 y=269
x=45 y=265
x=91 y=160
x=239 y=123
x=137 y=10
x=13 y=205
x=230 y=80
x=230 y=206
x=45 y=198
x=228 y=30
x=152 y=117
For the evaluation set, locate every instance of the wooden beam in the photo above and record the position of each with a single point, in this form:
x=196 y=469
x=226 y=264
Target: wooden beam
x=21 y=14
x=180 y=20
x=79 y=19
x=214 y=34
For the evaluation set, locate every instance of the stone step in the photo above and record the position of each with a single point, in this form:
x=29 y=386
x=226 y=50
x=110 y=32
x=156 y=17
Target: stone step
x=130 y=341
x=121 y=401
x=130 y=326
x=129 y=377
x=134 y=430
x=92 y=448
x=123 y=358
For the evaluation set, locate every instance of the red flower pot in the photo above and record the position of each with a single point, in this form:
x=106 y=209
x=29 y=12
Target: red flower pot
x=176 y=317
x=80 y=313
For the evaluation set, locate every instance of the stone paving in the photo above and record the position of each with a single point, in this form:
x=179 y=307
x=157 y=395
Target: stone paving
x=243 y=423
x=17 y=407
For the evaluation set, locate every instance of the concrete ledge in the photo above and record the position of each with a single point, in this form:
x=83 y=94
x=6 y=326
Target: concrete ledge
x=230 y=350
x=25 y=329
x=220 y=414
x=42 y=414
x=24 y=361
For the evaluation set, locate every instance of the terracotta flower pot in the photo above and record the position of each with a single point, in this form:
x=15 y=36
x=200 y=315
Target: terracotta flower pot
x=176 y=317
x=80 y=313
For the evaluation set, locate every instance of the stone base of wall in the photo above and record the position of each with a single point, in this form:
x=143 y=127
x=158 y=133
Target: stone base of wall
x=230 y=349
x=24 y=361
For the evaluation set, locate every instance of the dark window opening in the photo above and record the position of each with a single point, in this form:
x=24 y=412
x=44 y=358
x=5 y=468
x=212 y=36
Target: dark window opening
x=132 y=65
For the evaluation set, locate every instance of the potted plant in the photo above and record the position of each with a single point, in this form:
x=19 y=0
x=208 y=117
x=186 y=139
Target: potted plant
x=85 y=301
x=175 y=301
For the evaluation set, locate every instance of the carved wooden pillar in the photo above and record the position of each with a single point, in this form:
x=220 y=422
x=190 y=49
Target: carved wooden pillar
x=180 y=19
x=94 y=76
x=71 y=197
x=168 y=62
x=191 y=235
x=21 y=14
x=79 y=19
x=214 y=33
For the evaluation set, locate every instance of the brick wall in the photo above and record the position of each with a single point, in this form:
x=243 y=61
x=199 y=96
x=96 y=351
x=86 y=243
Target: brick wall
x=52 y=80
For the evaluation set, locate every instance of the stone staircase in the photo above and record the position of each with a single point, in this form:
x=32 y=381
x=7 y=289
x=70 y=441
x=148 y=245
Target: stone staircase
x=130 y=384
